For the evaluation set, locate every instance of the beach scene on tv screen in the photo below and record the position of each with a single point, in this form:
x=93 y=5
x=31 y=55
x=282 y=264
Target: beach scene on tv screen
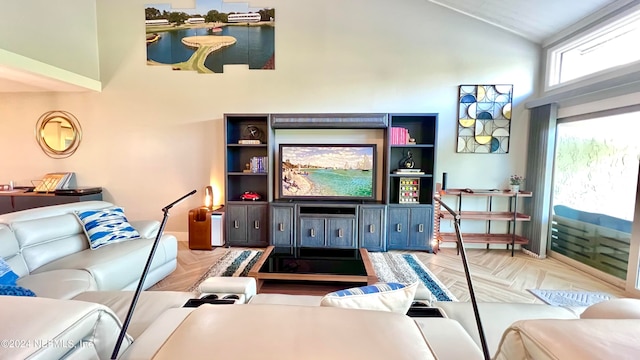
x=327 y=171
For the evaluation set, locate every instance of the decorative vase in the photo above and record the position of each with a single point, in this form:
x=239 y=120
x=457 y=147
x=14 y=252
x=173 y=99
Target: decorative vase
x=514 y=188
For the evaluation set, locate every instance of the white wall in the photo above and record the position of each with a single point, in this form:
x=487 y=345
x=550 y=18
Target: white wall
x=154 y=134
x=60 y=33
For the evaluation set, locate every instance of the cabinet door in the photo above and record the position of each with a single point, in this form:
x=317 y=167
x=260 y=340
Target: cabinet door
x=341 y=233
x=421 y=223
x=371 y=225
x=312 y=232
x=236 y=224
x=6 y=204
x=282 y=226
x=257 y=225
x=398 y=228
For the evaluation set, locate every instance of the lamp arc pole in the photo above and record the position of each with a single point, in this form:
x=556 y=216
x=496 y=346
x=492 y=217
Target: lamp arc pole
x=145 y=271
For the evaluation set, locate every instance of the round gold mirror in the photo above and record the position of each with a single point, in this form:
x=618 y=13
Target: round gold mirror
x=58 y=133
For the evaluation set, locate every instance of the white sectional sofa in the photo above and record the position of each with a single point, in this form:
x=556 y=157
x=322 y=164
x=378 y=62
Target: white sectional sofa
x=47 y=248
x=80 y=308
x=85 y=327
x=82 y=296
x=284 y=327
x=287 y=327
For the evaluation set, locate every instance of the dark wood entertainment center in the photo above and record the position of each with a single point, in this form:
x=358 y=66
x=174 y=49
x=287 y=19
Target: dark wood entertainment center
x=400 y=218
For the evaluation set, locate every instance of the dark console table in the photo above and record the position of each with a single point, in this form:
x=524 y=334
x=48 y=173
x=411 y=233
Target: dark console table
x=16 y=201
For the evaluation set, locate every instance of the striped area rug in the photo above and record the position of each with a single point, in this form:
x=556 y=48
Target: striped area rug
x=233 y=263
x=406 y=269
x=389 y=267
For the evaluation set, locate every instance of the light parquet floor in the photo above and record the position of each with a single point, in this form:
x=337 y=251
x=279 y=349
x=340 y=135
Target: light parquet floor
x=496 y=276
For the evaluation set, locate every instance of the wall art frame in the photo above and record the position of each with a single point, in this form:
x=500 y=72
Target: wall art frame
x=484 y=118
x=209 y=36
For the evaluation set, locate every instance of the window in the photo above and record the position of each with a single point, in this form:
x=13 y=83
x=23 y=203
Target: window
x=594 y=191
x=610 y=45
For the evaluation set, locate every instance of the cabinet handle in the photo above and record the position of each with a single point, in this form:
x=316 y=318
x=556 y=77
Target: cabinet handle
x=421 y=228
x=256 y=224
x=281 y=227
x=235 y=224
x=340 y=233
x=398 y=227
x=312 y=232
x=372 y=228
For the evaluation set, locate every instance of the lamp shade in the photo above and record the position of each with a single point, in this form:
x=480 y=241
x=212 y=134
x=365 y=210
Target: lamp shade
x=208 y=197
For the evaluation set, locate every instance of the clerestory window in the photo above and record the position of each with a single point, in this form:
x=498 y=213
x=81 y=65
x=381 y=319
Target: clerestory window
x=607 y=47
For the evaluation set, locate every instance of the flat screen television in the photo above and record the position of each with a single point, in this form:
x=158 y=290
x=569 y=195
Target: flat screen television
x=327 y=171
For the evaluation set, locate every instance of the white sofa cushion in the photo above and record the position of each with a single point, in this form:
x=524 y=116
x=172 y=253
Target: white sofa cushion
x=106 y=226
x=146 y=228
x=294 y=333
x=116 y=266
x=448 y=339
x=59 y=284
x=44 y=328
x=583 y=339
x=10 y=251
x=149 y=306
x=145 y=346
x=286 y=299
x=382 y=297
x=613 y=309
x=497 y=317
x=47 y=239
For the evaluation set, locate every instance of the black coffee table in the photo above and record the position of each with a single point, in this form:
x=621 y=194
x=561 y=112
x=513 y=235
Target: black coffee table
x=314 y=264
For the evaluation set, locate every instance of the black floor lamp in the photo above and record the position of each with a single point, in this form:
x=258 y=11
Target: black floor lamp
x=465 y=264
x=125 y=324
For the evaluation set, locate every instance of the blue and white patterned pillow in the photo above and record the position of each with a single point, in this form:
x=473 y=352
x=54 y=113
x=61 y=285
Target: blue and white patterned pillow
x=7 y=276
x=383 y=296
x=106 y=226
x=15 y=290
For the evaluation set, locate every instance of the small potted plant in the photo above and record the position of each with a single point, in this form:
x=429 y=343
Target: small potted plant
x=515 y=181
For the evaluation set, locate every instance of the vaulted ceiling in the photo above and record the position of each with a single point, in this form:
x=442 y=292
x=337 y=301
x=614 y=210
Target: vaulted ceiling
x=536 y=20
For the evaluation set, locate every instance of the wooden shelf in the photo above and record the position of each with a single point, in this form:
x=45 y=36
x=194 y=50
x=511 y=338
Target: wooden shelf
x=412 y=145
x=484 y=192
x=242 y=173
x=512 y=216
x=247 y=145
x=483 y=238
x=486 y=215
x=411 y=175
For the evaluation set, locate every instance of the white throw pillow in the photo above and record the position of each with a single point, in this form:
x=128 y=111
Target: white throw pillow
x=106 y=226
x=392 y=297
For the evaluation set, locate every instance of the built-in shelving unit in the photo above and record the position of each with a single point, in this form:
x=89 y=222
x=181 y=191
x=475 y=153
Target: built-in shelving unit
x=247 y=221
x=392 y=221
x=410 y=192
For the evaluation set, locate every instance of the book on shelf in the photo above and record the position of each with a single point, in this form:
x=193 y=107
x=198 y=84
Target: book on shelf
x=399 y=136
x=259 y=164
x=409 y=172
x=247 y=141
